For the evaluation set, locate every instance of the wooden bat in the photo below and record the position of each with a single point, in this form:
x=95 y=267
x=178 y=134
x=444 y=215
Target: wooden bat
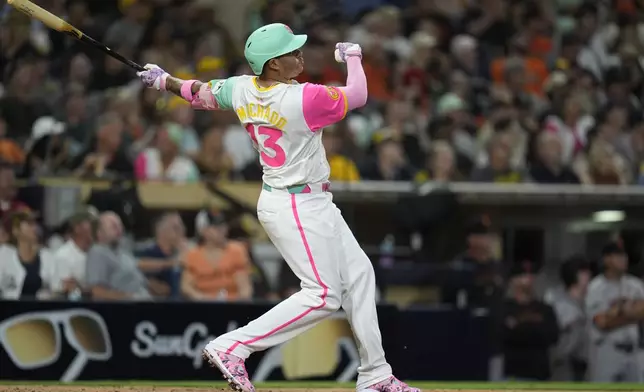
x=54 y=22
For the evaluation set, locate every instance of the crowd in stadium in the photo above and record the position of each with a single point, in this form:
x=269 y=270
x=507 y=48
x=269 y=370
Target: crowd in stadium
x=493 y=91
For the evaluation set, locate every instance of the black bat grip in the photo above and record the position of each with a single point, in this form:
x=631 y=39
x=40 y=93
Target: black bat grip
x=103 y=48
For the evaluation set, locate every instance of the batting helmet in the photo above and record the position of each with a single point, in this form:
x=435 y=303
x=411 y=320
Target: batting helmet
x=270 y=41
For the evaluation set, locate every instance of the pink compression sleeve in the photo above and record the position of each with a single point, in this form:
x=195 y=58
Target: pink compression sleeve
x=356 y=88
x=202 y=99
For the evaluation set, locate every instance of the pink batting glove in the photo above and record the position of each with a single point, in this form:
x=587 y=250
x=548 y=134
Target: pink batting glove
x=346 y=49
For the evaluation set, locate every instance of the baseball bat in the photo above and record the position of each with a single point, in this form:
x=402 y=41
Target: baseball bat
x=56 y=23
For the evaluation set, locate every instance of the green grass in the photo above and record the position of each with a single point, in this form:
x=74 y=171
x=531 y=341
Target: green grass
x=424 y=385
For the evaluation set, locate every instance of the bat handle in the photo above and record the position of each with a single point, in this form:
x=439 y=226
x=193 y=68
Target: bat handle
x=136 y=66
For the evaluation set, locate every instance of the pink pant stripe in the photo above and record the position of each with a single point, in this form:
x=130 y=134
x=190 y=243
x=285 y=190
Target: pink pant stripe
x=325 y=289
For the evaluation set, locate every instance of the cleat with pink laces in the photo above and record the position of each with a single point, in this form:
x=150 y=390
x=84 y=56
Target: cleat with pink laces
x=392 y=384
x=232 y=368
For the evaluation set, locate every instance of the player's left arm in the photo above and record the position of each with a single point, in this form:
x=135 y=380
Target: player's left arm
x=326 y=105
x=214 y=95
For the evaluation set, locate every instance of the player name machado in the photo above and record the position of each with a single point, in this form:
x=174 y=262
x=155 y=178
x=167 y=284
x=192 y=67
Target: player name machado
x=260 y=112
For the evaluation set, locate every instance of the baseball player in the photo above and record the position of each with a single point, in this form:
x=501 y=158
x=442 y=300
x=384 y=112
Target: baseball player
x=614 y=335
x=569 y=358
x=285 y=119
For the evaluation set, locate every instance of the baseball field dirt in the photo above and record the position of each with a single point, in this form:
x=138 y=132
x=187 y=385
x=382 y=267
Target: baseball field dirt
x=116 y=388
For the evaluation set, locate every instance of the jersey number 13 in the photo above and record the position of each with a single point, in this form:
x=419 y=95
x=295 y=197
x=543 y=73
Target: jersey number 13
x=277 y=155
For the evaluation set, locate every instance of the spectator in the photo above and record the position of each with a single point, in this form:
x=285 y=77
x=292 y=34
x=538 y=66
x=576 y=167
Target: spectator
x=161 y=261
x=112 y=274
x=530 y=328
x=129 y=29
x=613 y=336
x=499 y=169
x=390 y=164
x=504 y=122
x=164 y=162
x=212 y=158
x=219 y=269
x=484 y=280
x=8 y=192
x=27 y=270
x=19 y=107
x=342 y=167
x=630 y=146
x=440 y=165
x=415 y=81
x=572 y=126
x=451 y=110
x=47 y=149
x=402 y=128
x=570 y=357
x=71 y=258
x=76 y=114
x=603 y=166
x=550 y=168
x=104 y=156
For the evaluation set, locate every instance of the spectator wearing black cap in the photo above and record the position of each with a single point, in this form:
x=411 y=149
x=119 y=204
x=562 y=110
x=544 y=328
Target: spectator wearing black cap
x=219 y=268
x=614 y=335
x=71 y=258
x=570 y=356
x=26 y=270
x=529 y=327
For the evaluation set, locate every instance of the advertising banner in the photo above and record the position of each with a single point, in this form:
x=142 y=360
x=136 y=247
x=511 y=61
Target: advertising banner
x=70 y=341
x=160 y=341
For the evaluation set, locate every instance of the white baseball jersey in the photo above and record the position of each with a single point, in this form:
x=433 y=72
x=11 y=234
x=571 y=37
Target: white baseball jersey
x=285 y=122
x=602 y=293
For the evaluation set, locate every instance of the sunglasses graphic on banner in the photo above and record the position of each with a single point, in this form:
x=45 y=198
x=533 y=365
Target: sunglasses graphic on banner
x=33 y=340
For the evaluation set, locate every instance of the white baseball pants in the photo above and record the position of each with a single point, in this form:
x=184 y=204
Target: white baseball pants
x=317 y=244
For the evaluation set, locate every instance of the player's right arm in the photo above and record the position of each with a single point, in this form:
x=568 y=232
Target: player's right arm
x=214 y=95
x=325 y=105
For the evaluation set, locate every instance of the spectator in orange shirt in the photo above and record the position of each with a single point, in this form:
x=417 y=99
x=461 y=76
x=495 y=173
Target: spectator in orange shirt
x=534 y=70
x=219 y=268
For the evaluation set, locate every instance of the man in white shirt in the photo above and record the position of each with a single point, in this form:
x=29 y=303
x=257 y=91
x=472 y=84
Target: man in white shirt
x=71 y=258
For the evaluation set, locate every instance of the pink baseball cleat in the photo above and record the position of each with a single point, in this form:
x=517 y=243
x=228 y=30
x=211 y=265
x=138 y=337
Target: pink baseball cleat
x=392 y=384
x=233 y=369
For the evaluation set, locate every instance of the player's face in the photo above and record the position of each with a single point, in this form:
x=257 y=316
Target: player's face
x=618 y=262
x=291 y=64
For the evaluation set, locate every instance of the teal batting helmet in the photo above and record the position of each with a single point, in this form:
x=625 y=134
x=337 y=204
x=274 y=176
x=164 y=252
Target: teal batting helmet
x=270 y=41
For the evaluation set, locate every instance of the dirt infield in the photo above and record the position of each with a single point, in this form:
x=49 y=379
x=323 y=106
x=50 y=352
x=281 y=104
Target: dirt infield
x=59 y=388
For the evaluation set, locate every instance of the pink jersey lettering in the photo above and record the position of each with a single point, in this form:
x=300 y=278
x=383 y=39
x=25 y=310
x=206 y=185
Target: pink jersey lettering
x=323 y=105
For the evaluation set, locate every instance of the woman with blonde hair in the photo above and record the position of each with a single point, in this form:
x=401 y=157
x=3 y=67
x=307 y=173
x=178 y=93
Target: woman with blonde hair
x=605 y=165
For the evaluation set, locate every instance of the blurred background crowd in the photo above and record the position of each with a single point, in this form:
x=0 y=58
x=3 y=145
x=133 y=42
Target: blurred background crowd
x=494 y=91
